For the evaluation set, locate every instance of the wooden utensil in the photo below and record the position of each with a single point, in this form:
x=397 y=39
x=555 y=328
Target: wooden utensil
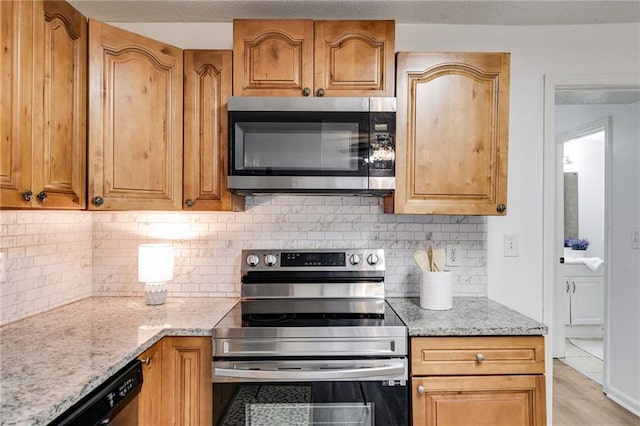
x=421 y=259
x=439 y=259
x=430 y=256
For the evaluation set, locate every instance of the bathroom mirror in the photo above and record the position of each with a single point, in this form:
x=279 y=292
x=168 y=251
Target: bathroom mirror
x=571 y=205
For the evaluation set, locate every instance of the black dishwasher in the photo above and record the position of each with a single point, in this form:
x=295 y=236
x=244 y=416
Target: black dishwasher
x=114 y=402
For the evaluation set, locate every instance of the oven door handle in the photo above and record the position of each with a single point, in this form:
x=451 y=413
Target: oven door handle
x=312 y=374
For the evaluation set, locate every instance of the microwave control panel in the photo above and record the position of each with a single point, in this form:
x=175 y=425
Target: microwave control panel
x=382 y=149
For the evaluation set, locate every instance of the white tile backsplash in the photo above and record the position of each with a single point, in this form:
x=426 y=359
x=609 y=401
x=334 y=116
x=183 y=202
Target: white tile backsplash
x=57 y=257
x=48 y=261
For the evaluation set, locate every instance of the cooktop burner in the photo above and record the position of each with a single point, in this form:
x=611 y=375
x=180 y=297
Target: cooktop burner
x=268 y=319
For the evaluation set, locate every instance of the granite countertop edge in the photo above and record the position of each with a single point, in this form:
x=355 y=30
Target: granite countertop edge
x=469 y=316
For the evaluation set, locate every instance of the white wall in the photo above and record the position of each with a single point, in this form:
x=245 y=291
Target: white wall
x=623 y=372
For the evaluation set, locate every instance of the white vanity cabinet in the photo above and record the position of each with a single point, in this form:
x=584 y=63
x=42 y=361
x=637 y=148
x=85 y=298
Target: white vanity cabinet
x=584 y=295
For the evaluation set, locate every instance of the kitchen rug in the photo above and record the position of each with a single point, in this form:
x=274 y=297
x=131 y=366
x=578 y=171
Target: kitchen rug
x=593 y=347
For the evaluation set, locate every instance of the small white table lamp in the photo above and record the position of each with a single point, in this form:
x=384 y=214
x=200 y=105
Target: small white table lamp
x=155 y=267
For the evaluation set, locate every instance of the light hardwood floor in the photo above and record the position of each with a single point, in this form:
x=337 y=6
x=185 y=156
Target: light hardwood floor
x=579 y=401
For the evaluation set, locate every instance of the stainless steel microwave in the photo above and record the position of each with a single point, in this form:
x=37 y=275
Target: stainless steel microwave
x=311 y=145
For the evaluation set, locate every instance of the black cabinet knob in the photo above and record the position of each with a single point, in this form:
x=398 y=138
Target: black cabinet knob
x=42 y=196
x=98 y=201
x=501 y=208
x=306 y=91
x=320 y=93
x=189 y=203
x=27 y=195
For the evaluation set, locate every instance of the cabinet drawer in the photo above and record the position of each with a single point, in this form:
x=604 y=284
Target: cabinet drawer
x=436 y=356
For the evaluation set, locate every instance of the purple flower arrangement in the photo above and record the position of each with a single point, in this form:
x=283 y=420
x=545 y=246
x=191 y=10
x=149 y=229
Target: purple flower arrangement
x=576 y=243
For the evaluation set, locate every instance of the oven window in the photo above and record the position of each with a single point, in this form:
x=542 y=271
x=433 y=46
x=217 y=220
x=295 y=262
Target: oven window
x=310 y=403
x=307 y=144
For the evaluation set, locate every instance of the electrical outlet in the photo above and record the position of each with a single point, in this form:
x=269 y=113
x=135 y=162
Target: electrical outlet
x=453 y=255
x=635 y=240
x=511 y=245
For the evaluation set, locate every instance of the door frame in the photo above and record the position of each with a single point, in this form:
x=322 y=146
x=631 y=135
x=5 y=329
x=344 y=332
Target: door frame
x=550 y=249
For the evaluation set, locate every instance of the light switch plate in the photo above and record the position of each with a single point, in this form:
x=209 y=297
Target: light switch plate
x=511 y=245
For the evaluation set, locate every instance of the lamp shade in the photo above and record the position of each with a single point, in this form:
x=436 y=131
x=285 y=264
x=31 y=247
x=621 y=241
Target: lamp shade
x=155 y=263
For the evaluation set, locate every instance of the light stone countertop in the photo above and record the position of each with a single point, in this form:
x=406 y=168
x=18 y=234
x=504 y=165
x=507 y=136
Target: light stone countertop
x=51 y=360
x=470 y=316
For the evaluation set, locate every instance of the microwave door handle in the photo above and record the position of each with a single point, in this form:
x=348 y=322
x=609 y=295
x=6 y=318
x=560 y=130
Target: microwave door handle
x=306 y=375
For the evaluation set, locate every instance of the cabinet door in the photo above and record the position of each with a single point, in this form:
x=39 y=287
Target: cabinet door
x=186 y=380
x=452 y=130
x=207 y=86
x=587 y=300
x=59 y=151
x=16 y=100
x=150 y=407
x=135 y=121
x=479 y=401
x=272 y=57
x=354 y=58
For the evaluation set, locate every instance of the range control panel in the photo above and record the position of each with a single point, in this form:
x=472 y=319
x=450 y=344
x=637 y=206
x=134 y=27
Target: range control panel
x=308 y=260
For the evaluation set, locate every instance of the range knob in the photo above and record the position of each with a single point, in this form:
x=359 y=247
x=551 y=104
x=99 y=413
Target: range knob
x=372 y=259
x=270 y=260
x=354 y=259
x=253 y=260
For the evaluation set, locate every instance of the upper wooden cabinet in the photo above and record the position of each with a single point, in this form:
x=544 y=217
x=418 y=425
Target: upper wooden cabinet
x=43 y=119
x=135 y=121
x=307 y=58
x=272 y=57
x=207 y=85
x=354 y=58
x=452 y=133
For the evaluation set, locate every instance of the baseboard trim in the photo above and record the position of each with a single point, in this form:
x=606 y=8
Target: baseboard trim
x=584 y=331
x=623 y=400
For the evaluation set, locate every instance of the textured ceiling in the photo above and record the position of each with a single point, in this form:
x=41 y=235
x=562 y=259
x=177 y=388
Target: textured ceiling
x=611 y=96
x=471 y=12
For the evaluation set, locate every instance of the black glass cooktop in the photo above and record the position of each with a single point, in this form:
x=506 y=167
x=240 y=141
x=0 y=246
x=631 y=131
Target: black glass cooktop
x=314 y=313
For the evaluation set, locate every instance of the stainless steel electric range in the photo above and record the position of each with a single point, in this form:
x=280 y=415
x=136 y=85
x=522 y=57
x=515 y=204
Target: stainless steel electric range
x=311 y=342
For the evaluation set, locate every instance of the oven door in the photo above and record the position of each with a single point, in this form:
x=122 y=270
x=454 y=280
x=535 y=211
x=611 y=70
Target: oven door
x=301 y=150
x=336 y=392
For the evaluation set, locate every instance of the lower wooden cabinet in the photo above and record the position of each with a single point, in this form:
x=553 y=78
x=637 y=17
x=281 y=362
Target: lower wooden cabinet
x=150 y=398
x=478 y=381
x=176 y=387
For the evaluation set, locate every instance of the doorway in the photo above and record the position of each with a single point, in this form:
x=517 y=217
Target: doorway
x=583 y=157
x=618 y=96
